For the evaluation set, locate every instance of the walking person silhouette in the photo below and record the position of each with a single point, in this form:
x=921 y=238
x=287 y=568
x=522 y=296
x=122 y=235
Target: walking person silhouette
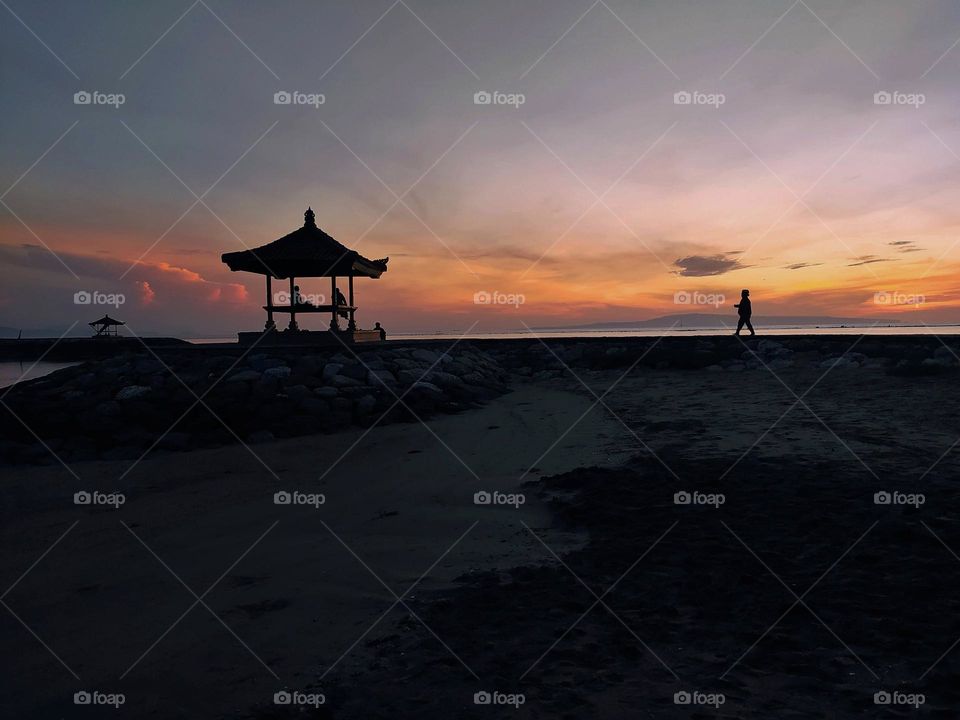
x=745 y=310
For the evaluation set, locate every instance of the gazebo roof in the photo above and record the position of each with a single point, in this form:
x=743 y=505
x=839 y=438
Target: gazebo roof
x=106 y=320
x=306 y=252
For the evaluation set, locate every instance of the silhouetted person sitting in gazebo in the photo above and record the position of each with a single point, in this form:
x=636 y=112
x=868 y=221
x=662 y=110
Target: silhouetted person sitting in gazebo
x=745 y=310
x=299 y=299
x=339 y=299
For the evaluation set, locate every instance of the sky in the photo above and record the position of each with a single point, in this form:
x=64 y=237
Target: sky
x=635 y=159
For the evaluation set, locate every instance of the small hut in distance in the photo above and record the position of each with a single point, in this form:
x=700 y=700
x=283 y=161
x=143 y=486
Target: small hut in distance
x=307 y=252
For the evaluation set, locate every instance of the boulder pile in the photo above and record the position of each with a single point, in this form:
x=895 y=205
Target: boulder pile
x=123 y=407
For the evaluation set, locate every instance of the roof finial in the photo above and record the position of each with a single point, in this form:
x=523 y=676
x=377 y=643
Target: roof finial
x=309 y=220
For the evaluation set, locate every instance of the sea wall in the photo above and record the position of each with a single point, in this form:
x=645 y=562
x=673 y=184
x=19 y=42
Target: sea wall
x=174 y=398
x=180 y=400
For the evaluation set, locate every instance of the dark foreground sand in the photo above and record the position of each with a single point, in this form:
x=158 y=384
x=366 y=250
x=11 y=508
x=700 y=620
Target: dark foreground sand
x=600 y=597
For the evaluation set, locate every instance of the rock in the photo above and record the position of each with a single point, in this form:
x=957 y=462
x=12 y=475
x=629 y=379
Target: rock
x=344 y=381
x=428 y=356
x=175 y=441
x=839 y=363
x=380 y=377
x=315 y=406
x=428 y=387
x=366 y=404
x=444 y=379
x=409 y=377
x=298 y=392
x=276 y=373
x=341 y=404
x=326 y=392
x=355 y=371
x=147 y=365
x=244 y=376
x=331 y=370
x=131 y=392
x=262 y=362
x=714 y=368
x=260 y=436
x=771 y=347
x=946 y=354
x=308 y=365
x=109 y=408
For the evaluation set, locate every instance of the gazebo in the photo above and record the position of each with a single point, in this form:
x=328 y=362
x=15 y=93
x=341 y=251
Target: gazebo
x=307 y=252
x=106 y=327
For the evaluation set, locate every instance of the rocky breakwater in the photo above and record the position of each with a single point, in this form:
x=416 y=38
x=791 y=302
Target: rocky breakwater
x=918 y=355
x=125 y=406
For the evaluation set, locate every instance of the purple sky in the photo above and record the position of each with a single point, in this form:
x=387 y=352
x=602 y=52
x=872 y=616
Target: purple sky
x=601 y=196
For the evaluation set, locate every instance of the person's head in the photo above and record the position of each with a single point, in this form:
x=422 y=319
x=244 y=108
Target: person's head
x=744 y=293
x=376 y=325
x=297 y=288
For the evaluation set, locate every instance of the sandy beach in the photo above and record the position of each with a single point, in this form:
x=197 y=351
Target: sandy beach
x=298 y=585
x=782 y=588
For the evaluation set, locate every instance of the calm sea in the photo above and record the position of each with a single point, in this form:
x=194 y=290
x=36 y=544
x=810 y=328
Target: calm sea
x=657 y=332
x=13 y=372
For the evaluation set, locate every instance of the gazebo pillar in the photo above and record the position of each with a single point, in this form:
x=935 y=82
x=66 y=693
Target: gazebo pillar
x=334 y=324
x=270 y=324
x=293 y=301
x=352 y=324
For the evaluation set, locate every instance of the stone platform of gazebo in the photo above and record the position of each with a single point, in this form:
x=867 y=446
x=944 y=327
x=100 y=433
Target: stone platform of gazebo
x=306 y=338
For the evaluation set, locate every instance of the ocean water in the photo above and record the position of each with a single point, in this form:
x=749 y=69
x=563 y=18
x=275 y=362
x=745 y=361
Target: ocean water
x=657 y=332
x=686 y=332
x=13 y=372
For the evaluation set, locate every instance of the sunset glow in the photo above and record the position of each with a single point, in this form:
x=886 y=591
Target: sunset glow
x=600 y=197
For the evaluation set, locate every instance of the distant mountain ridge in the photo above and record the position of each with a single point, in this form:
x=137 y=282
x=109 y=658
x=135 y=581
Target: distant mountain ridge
x=710 y=321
